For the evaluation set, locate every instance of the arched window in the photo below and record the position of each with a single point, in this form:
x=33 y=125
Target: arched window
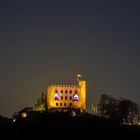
x=66 y=97
x=75 y=97
x=75 y=91
x=70 y=104
x=56 y=91
x=61 y=97
x=56 y=96
x=56 y=104
x=65 y=104
x=61 y=91
x=70 y=91
x=60 y=104
x=66 y=91
x=70 y=97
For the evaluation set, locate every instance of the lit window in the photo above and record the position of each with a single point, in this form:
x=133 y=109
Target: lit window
x=56 y=96
x=75 y=98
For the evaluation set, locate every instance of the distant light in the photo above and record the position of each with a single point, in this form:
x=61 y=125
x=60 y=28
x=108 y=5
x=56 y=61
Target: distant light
x=24 y=115
x=14 y=120
x=73 y=113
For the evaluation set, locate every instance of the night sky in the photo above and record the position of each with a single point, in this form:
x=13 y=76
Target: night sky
x=47 y=42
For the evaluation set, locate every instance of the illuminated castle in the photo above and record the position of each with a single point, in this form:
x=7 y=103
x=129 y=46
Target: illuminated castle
x=67 y=96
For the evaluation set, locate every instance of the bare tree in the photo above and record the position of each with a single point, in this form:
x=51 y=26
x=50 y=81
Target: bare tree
x=118 y=110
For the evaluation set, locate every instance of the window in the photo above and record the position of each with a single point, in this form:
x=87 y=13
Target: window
x=56 y=104
x=75 y=97
x=60 y=104
x=61 y=97
x=70 y=91
x=56 y=91
x=61 y=91
x=65 y=104
x=70 y=97
x=66 y=97
x=70 y=104
x=56 y=96
x=66 y=91
x=75 y=91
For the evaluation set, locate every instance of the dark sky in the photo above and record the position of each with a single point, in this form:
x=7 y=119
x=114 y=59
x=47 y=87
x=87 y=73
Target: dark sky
x=45 y=42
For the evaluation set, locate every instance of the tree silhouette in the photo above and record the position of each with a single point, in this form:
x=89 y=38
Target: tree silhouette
x=127 y=110
x=118 y=109
x=108 y=106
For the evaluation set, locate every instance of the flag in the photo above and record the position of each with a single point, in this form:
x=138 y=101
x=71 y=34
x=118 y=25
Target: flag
x=79 y=75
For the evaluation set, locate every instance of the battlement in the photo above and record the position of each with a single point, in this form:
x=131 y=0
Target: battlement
x=54 y=85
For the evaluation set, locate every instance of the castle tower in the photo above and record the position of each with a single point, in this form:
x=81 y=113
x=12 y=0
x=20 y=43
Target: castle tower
x=82 y=84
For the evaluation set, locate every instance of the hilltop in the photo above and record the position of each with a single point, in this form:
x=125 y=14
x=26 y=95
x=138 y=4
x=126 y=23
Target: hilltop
x=54 y=123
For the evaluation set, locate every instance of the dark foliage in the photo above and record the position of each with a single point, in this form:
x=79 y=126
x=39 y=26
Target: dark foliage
x=56 y=124
x=118 y=109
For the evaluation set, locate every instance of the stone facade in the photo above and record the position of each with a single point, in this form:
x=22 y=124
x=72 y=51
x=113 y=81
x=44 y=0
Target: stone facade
x=67 y=96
